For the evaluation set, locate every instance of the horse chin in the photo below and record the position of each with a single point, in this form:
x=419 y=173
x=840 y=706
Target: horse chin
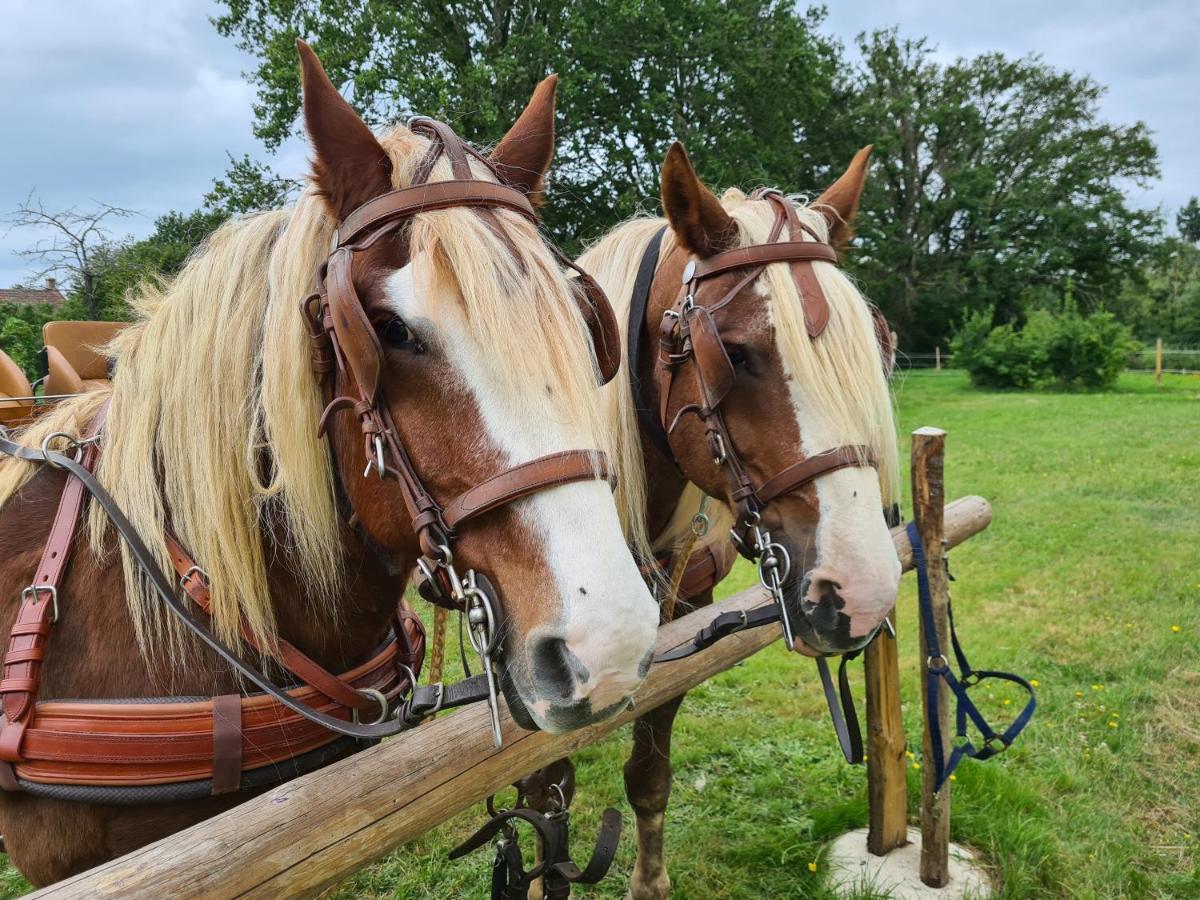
x=554 y=719
x=516 y=704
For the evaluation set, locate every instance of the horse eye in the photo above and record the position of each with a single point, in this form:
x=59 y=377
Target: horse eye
x=738 y=356
x=396 y=333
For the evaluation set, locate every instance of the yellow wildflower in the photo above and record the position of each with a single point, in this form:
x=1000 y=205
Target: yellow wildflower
x=812 y=867
x=1033 y=682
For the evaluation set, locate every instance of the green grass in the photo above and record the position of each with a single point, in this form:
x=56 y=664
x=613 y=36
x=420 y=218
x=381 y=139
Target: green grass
x=1091 y=562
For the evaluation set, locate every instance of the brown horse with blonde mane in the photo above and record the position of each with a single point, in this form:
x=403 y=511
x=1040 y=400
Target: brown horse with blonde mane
x=486 y=364
x=806 y=391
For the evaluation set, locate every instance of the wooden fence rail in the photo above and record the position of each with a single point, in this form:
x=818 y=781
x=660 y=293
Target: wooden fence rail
x=310 y=833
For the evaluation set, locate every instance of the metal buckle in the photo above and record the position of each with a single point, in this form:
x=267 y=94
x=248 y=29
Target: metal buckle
x=717 y=448
x=992 y=742
x=377 y=462
x=943 y=666
x=378 y=697
x=34 y=589
x=194 y=570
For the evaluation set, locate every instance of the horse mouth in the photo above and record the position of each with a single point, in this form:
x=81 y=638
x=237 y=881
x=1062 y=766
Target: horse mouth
x=820 y=629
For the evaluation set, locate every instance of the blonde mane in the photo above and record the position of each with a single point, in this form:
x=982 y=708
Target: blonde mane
x=212 y=427
x=840 y=370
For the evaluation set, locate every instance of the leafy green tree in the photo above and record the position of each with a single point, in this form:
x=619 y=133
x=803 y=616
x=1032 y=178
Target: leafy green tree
x=21 y=333
x=1188 y=221
x=125 y=265
x=248 y=186
x=995 y=181
x=746 y=84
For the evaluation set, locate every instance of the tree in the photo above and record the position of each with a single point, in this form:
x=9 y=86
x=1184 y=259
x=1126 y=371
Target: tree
x=248 y=187
x=1188 y=221
x=995 y=184
x=161 y=255
x=74 y=249
x=746 y=84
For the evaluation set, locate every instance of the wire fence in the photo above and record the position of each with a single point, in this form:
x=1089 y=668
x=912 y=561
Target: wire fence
x=1177 y=361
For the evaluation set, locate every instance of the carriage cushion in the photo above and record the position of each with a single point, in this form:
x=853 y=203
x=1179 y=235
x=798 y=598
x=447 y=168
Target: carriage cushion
x=75 y=357
x=81 y=345
x=13 y=383
x=62 y=377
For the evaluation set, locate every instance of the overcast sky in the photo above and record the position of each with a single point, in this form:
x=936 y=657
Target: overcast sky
x=135 y=102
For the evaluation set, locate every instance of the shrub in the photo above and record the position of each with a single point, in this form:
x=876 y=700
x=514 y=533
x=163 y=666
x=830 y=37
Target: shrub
x=1067 y=351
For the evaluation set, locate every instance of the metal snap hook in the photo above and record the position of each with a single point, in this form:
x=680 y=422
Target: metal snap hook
x=377 y=462
x=73 y=445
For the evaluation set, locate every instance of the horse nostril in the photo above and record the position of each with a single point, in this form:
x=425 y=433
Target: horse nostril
x=555 y=669
x=827 y=589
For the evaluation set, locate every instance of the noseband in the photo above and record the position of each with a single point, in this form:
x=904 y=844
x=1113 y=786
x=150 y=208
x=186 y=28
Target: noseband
x=345 y=344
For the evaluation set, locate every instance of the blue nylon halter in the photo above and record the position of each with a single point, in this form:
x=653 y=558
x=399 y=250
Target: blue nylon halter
x=959 y=685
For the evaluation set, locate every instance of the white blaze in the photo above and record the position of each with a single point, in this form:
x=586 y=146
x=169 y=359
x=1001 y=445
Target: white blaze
x=608 y=617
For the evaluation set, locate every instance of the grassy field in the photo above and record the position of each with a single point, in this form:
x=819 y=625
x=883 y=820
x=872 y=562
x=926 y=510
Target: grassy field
x=1088 y=581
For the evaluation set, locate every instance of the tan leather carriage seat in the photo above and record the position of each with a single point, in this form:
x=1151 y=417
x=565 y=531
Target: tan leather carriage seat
x=75 y=357
x=13 y=383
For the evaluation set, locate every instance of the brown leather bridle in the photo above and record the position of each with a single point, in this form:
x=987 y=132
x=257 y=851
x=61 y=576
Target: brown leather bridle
x=690 y=340
x=346 y=350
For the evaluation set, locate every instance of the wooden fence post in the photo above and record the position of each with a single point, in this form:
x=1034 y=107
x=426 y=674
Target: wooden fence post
x=937 y=359
x=1158 y=361
x=928 y=492
x=887 y=779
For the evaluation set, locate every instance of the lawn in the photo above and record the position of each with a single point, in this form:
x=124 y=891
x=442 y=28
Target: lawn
x=1087 y=581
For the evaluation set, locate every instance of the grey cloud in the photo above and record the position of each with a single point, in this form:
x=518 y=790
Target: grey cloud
x=135 y=102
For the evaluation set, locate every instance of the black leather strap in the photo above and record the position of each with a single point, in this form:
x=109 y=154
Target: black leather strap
x=842 y=710
x=720 y=627
x=647 y=417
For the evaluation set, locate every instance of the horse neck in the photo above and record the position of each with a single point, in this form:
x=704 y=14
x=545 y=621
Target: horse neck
x=342 y=633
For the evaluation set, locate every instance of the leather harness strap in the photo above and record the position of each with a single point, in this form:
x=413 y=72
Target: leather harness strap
x=195 y=583
x=806 y=470
x=101 y=742
x=525 y=479
x=39 y=608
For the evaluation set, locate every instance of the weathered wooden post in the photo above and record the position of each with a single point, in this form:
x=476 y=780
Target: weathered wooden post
x=928 y=493
x=937 y=359
x=1158 y=361
x=887 y=782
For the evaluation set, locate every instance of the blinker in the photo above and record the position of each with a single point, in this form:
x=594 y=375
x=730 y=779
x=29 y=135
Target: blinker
x=716 y=371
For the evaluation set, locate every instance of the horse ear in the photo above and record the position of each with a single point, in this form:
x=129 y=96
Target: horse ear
x=696 y=215
x=350 y=167
x=522 y=158
x=839 y=204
